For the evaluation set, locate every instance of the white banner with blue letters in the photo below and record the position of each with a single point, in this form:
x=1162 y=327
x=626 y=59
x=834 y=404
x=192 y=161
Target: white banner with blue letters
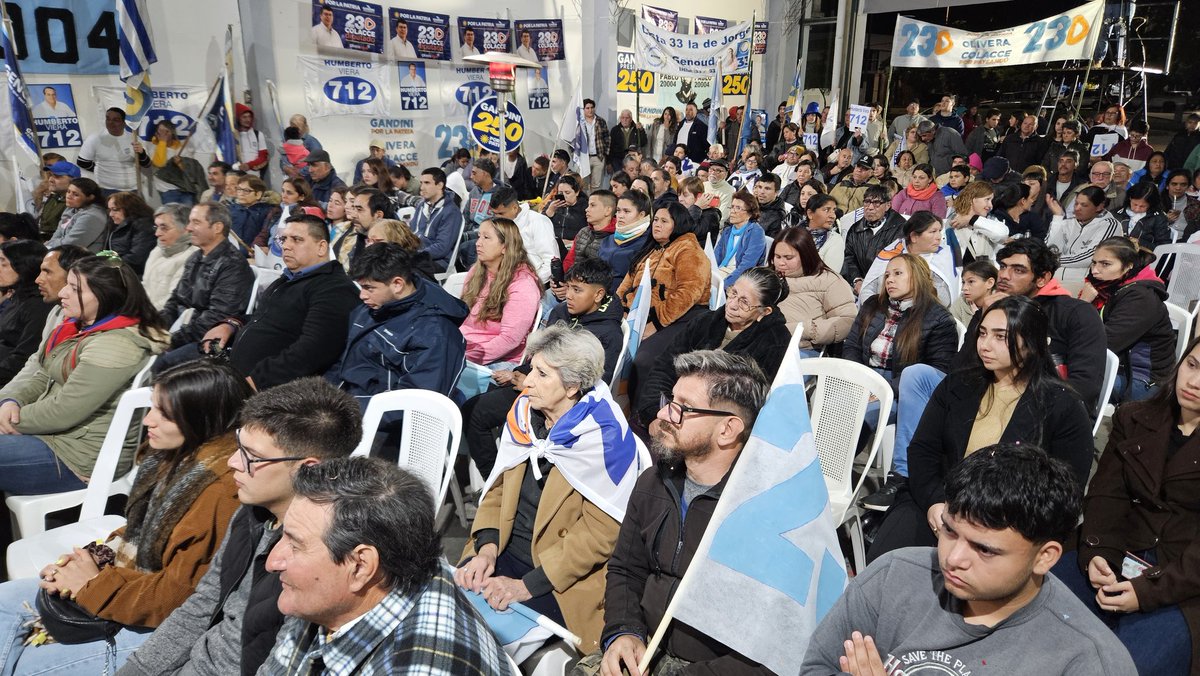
x=345 y=87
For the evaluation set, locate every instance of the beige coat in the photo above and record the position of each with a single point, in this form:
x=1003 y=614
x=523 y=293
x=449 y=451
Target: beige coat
x=824 y=304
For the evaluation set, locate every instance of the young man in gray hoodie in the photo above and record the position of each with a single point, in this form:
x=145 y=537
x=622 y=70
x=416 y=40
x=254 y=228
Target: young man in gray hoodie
x=983 y=601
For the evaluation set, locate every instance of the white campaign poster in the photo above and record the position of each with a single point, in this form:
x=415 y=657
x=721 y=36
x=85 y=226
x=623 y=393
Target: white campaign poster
x=345 y=86
x=670 y=53
x=1102 y=143
x=1063 y=37
x=180 y=105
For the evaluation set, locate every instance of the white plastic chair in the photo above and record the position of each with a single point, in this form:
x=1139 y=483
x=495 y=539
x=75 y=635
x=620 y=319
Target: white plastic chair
x=454 y=284
x=616 y=375
x=1183 y=289
x=263 y=277
x=537 y=321
x=839 y=407
x=1103 y=408
x=37 y=546
x=450 y=267
x=962 y=332
x=716 y=293
x=143 y=376
x=1181 y=321
x=428 y=437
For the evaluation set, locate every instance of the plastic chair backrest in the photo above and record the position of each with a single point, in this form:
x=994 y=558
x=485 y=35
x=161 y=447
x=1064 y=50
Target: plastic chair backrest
x=537 y=321
x=838 y=408
x=1181 y=321
x=429 y=436
x=95 y=497
x=1111 y=364
x=616 y=375
x=1183 y=289
x=454 y=284
x=263 y=277
x=962 y=332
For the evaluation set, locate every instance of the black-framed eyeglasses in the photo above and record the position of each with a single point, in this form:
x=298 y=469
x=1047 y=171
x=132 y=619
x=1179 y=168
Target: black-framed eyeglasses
x=676 y=411
x=249 y=462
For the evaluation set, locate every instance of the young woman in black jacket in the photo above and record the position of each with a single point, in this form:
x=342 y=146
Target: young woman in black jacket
x=1009 y=393
x=749 y=324
x=23 y=313
x=1142 y=216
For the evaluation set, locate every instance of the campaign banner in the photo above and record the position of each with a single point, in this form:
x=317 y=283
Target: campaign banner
x=484 y=123
x=693 y=55
x=414 y=92
x=476 y=36
x=1102 y=143
x=707 y=24
x=669 y=91
x=539 y=89
x=539 y=39
x=760 y=118
x=665 y=19
x=181 y=105
x=343 y=87
x=66 y=37
x=761 y=28
x=859 y=115
x=418 y=35
x=54 y=116
x=629 y=78
x=460 y=88
x=347 y=24
x=402 y=144
x=1064 y=37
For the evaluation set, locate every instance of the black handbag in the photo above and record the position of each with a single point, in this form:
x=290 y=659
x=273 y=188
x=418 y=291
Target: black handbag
x=66 y=622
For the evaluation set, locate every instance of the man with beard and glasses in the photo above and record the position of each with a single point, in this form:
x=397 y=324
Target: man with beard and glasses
x=697 y=437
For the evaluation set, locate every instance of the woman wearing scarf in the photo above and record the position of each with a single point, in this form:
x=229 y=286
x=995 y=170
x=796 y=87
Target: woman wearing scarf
x=554 y=502
x=742 y=243
x=922 y=194
x=53 y=420
x=633 y=221
x=164 y=266
x=1121 y=284
x=820 y=214
x=165 y=145
x=178 y=511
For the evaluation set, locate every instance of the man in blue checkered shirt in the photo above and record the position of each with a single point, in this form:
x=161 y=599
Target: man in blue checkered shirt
x=363 y=583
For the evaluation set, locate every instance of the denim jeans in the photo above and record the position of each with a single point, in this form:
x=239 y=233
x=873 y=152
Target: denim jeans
x=917 y=383
x=1138 y=390
x=29 y=467
x=1158 y=641
x=54 y=658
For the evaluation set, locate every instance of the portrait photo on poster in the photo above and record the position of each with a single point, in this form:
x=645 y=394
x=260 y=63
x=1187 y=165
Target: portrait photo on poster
x=54 y=117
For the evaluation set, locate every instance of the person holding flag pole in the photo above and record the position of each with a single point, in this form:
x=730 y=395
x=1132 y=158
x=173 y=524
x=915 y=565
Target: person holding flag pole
x=136 y=49
x=19 y=108
x=571 y=131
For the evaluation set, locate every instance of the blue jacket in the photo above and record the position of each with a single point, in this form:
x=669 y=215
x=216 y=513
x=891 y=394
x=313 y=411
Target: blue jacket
x=437 y=226
x=750 y=249
x=413 y=343
x=620 y=256
x=248 y=221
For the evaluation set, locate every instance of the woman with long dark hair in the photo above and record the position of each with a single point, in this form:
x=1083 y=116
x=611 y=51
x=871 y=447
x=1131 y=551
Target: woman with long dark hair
x=23 y=313
x=1008 y=393
x=1133 y=565
x=53 y=420
x=178 y=511
x=922 y=237
x=819 y=300
x=503 y=291
x=296 y=197
x=1122 y=285
x=662 y=133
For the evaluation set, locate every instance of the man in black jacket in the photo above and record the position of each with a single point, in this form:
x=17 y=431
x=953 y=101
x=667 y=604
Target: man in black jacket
x=228 y=625
x=301 y=321
x=216 y=284
x=697 y=438
x=879 y=227
x=771 y=208
x=693 y=134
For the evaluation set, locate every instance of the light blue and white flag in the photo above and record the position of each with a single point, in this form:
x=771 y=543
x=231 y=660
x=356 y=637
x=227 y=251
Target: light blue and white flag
x=136 y=48
x=639 y=314
x=717 y=298
x=18 y=98
x=771 y=551
x=714 y=109
x=517 y=628
x=573 y=131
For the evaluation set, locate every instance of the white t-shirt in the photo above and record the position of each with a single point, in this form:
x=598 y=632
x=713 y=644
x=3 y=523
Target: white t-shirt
x=683 y=132
x=114 y=158
x=401 y=49
x=326 y=37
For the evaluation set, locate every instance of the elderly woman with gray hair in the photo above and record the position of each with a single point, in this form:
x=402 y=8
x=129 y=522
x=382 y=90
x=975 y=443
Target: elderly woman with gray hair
x=164 y=266
x=554 y=502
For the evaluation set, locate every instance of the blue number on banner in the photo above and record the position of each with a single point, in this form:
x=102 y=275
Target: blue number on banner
x=910 y=33
x=351 y=91
x=1059 y=25
x=446 y=134
x=930 y=34
x=1038 y=28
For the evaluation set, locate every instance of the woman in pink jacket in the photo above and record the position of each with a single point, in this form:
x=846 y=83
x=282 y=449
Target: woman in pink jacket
x=503 y=292
x=922 y=194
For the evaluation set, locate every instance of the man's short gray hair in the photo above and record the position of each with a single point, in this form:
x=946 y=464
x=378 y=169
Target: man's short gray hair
x=925 y=126
x=218 y=213
x=576 y=353
x=731 y=378
x=178 y=213
x=375 y=503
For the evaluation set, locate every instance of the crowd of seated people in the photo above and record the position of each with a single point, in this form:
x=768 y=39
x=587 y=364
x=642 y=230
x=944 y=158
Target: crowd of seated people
x=916 y=263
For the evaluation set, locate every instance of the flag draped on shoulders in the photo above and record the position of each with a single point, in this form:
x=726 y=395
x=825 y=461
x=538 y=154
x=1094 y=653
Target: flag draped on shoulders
x=591 y=445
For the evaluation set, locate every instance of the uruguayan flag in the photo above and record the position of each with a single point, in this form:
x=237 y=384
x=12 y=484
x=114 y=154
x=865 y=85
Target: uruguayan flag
x=573 y=131
x=639 y=314
x=18 y=99
x=771 y=551
x=219 y=119
x=591 y=445
x=717 y=298
x=137 y=53
x=714 y=109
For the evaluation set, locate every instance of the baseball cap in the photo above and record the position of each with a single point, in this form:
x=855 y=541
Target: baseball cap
x=376 y=143
x=995 y=168
x=65 y=168
x=719 y=163
x=864 y=162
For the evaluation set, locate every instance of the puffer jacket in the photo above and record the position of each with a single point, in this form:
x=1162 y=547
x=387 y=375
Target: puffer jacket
x=248 y=221
x=411 y=343
x=133 y=240
x=21 y=329
x=823 y=304
x=772 y=216
x=1151 y=230
x=70 y=400
x=215 y=287
x=938 y=343
x=83 y=227
x=680 y=279
x=1139 y=329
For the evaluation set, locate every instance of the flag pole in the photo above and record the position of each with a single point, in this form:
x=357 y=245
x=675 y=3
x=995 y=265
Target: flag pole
x=18 y=189
x=887 y=99
x=207 y=100
x=747 y=116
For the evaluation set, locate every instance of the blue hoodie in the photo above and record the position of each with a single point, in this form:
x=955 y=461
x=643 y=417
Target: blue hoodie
x=412 y=343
